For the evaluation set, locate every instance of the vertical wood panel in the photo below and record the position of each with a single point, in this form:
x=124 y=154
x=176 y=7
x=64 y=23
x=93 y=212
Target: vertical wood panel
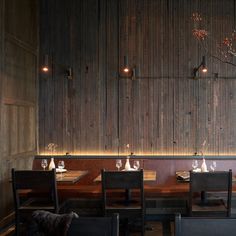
x=164 y=110
x=25 y=12
x=18 y=75
x=2 y=2
x=20 y=70
x=111 y=106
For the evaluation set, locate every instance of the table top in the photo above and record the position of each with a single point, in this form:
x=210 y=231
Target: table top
x=148 y=175
x=171 y=188
x=71 y=176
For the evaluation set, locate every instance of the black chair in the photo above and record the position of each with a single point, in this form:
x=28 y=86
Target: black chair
x=117 y=188
x=204 y=226
x=210 y=193
x=95 y=226
x=33 y=190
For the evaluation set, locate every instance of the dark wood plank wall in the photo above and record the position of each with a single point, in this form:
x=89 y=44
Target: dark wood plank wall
x=18 y=93
x=163 y=111
x=1 y=64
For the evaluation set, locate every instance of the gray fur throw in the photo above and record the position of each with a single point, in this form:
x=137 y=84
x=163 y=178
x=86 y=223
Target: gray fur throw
x=45 y=223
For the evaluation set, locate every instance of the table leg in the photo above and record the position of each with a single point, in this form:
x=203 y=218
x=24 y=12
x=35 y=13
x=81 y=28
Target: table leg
x=166 y=228
x=203 y=197
x=128 y=195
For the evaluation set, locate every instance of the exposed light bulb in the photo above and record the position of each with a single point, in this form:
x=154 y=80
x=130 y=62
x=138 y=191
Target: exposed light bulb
x=45 y=69
x=204 y=69
x=126 y=69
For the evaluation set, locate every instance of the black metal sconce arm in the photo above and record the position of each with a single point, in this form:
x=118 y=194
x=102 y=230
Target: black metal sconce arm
x=202 y=64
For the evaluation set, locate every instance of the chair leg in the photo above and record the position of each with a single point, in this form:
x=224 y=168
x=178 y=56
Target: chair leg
x=143 y=229
x=17 y=225
x=126 y=227
x=143 y=226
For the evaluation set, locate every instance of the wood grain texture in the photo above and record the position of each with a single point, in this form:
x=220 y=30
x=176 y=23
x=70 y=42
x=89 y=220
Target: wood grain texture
x=1 y=67
x=164 y=111
x=21 y=16
x=18 y=92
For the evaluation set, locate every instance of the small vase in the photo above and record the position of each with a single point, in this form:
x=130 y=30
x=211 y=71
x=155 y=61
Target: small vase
x=204 y=166
x=127 y=164
x=51 y=164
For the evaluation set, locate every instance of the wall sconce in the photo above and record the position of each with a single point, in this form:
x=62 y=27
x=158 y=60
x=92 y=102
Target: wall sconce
x=45 y=66
x=69 y=73
x=202 y=66
x=127 y=71
x=67 y=70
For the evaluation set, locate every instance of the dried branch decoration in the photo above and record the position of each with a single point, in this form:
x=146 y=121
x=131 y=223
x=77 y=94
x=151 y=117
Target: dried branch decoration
x=52 y=147
x=225 y=50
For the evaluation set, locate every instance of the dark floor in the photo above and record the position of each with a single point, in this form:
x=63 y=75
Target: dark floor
x=156 y=230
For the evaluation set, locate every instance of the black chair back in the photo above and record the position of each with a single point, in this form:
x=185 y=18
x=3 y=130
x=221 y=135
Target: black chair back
x=215 y=189
x=33 y=190
x=95 y=226
x=117 y=187
x=204 y=226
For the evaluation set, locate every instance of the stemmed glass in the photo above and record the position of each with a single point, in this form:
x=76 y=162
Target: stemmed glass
x=61 y=166
x=213 y=166
x=194 y=165
x=118 y=164
x=44 y=163
x=136 y=165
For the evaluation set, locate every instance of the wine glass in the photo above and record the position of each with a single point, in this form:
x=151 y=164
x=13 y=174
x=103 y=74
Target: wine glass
x=118 y=164
x=136 y=165
x=61 y=166
x=213 y=166
x=195 y=164
x=44 y=163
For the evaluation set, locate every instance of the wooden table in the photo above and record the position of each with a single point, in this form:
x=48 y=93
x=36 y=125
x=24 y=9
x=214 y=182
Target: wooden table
x=71 y=176
x=148 y=175
x=171 y=188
